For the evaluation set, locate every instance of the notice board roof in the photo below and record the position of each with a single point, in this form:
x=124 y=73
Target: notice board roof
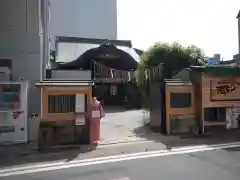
x=217 y=70
x=65 y=83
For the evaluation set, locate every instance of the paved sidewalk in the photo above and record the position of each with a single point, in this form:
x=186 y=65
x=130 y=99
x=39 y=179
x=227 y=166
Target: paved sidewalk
x=18 y=156
x=22 y=155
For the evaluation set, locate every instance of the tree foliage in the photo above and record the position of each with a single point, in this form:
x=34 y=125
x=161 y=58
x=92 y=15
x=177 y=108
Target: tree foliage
x=238 y=60
x=172 y=58
x=169 y=60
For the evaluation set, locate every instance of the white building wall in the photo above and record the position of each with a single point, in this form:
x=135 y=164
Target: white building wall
x=71 y=75
x=19 y=32
x=84 y=18
x=19 y=41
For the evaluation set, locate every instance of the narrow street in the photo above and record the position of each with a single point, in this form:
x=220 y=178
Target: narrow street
x=122 y=125
x=218 y=164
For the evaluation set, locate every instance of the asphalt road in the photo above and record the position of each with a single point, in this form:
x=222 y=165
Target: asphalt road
x=221 y=164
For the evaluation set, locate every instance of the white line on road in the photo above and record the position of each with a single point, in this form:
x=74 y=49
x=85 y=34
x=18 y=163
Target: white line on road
x=111 y=159
x=121 y=178
x=129 y=141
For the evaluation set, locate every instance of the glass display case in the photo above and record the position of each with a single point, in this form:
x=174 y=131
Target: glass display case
x=10 y=96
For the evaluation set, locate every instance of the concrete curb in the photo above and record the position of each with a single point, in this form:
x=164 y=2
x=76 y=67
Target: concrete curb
x=123 y=142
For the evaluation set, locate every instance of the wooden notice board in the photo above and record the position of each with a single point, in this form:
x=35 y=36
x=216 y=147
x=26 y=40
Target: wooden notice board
x=61 y=93
x=179 y=89
x=220 y=91
x=225 y=89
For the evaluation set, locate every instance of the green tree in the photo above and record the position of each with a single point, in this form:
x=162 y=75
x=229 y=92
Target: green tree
x=169 y=60
x=238 y=60
x=171 y=57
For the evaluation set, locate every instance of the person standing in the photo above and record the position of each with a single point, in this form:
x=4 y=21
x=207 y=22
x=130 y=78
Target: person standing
x=97 y=113
x=98 y=106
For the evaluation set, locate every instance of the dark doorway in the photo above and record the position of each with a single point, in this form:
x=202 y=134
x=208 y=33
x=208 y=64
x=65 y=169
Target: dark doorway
x=110 y=94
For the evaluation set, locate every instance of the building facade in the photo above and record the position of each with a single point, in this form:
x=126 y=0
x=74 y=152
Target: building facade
x=88 y=40
x=25 y=30
x=20 y=43
x=80 y=18
x=111 y=62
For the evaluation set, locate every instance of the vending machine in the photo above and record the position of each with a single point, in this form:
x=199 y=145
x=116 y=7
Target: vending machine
x=13 y=112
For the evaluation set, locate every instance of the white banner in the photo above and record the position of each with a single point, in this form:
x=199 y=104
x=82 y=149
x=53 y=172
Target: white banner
x=80 y=103
x=106 y=72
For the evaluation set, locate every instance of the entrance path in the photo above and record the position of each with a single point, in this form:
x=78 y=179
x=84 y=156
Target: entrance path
x=119 y=125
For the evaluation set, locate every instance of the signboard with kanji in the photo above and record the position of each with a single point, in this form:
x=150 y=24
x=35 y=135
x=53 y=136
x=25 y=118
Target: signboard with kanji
x=220 y=91
x=225 y=89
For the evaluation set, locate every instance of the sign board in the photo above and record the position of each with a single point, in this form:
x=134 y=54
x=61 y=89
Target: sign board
x=80 y=103
x=79 y=109
x=225 y=89
x=80 y=120
x=212 y=61
x=96 y=114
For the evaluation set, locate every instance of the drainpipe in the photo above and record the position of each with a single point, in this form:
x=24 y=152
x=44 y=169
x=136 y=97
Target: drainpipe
x=44 y=33
x=40 y=13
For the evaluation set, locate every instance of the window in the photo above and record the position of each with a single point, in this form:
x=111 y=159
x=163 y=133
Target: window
x=113 y=90
x=180 y=100
x=61 y=103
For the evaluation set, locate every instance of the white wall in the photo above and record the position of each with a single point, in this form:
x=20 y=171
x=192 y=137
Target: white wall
x=19 y=41
x=71 y=75
x=84 y=18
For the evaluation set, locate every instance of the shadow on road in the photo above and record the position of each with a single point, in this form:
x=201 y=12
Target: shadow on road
x=114 y=109
x=170 y=141
x=233 y=149
x=116 y=123
x=118 y=109
x=21 y=154
x=118 y=126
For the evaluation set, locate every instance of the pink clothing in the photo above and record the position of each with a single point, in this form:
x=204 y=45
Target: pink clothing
x=102 y=111
x=97 y=106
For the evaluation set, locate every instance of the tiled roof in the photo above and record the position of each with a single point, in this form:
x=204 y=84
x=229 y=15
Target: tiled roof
x=217 y=70
x=138 y=51
x=228 y=61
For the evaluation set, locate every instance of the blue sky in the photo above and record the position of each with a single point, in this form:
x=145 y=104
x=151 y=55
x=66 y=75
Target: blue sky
x=209 y=24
